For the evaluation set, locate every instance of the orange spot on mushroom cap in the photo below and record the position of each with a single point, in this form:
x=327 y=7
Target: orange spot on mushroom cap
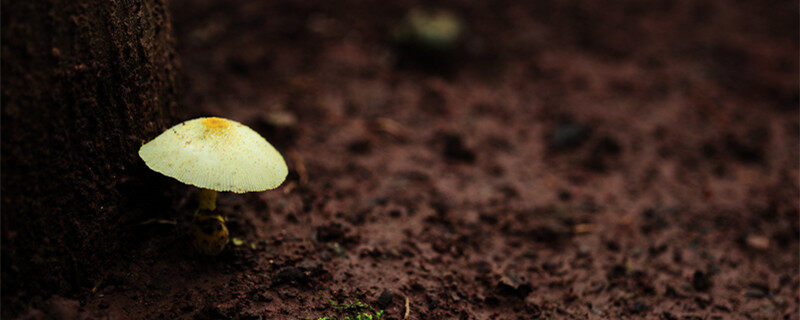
x=215 y=123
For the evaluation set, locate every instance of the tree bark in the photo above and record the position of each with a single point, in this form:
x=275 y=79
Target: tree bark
x=83 y=85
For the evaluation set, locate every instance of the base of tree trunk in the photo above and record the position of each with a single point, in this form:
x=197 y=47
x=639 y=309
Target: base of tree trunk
x=83 y=86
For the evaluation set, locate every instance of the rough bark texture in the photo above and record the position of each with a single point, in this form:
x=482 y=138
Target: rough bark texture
x=83 y=85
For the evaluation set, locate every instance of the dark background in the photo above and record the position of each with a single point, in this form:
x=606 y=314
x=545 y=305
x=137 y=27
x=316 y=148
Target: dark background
x=564 y=159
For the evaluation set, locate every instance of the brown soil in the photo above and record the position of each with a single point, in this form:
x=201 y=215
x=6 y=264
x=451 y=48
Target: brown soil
x=567 y=160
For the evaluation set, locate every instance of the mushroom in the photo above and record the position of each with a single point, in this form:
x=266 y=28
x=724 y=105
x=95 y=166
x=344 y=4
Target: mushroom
x=215 y=154
x=432 y=30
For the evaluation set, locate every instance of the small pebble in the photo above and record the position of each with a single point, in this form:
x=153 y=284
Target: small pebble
x=385 y=299
x=758 y=242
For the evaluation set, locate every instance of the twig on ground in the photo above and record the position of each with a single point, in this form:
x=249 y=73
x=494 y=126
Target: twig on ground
x=408 y=308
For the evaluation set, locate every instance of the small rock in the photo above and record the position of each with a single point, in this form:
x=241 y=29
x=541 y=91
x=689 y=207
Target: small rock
x=757 y=242
x=429 y=41
x=312 y=267
x=582 y=228
x=521 y=291
x=385 y=299
x=513 y=285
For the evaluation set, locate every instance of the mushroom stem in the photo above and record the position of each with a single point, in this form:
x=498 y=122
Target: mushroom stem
x=208 y=199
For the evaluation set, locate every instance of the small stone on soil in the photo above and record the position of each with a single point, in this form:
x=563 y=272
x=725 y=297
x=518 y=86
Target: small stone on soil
x=757 y=242
x=512 y=284
x=385 y=299
x=312 y=267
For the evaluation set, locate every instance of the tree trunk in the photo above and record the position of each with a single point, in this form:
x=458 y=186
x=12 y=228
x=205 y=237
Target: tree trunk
x=83 y=85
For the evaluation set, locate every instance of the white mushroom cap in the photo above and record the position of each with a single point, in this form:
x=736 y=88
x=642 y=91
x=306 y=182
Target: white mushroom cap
x=218 y=154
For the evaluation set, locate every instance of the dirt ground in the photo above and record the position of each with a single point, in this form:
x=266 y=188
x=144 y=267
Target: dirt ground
x=571 y=159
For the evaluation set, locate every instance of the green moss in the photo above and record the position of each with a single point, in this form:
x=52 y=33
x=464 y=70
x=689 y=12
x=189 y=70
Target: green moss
x=366 y=315
x=350 y=309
